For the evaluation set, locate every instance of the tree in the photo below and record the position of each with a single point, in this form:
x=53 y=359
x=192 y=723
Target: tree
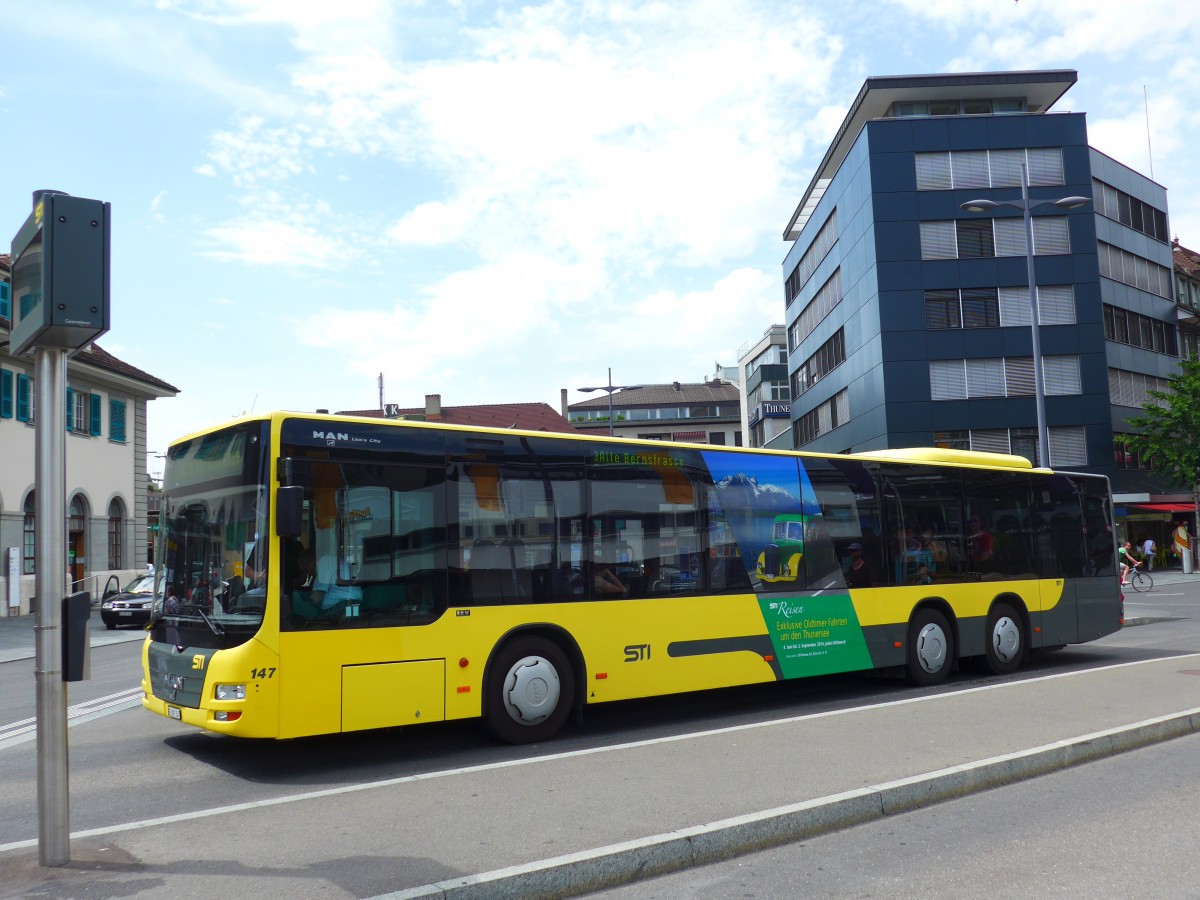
x=1168 y=432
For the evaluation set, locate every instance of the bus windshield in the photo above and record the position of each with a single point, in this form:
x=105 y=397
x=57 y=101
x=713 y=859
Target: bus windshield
x=211 y=560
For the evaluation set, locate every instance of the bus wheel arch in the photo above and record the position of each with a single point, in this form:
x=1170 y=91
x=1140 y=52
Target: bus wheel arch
x=1007 y=635
x=530 y=685
x=932 y=642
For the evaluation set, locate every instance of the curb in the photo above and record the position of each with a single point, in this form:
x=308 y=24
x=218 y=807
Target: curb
x=624 y=863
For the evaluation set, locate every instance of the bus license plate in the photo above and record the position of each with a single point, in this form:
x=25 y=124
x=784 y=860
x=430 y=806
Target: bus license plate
x=175 y=712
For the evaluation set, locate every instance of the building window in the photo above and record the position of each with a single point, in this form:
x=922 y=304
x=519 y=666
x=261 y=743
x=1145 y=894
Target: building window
x=991 y=307
x=812 y=257
x=967 y=169
x=1128 y=458
x=1135 y=271
x=821 y=305
x=975 y=106
x=83 y=412
x=1127 y=388
x=1068 y=446
x=823 y=419
x=29 y=551
x=968 y=379
x=1127 y=327
x=116 y=530
x=988 y=237
x=828 y=357
x=975 y=238
x=1129 y=211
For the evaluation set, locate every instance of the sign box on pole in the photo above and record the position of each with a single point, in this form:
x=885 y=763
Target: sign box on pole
x=60 y=273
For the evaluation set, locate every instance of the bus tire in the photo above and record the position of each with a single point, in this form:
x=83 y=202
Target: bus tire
x=529 y=691
x=1005 y=640
x=930 y=647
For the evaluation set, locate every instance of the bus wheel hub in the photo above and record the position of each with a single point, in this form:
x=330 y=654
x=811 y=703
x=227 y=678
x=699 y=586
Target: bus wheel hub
x=532 y=690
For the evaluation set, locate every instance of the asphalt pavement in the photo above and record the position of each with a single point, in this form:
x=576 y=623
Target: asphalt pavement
x=562 y=824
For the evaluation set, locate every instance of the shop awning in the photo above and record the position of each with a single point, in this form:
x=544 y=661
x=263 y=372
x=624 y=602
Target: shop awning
x=1164 y=507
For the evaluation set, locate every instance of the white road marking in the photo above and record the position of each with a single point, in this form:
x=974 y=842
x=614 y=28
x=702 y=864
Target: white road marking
x=26 y=729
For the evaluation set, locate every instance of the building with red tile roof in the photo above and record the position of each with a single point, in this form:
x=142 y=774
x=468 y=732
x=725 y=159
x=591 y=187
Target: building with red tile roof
x=525 y=416
x=106 y=471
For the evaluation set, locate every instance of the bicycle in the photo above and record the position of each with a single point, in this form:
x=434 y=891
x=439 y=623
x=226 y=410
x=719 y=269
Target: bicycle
x=1140 y=581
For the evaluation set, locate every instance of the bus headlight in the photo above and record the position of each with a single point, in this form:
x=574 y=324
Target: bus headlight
x=231 y=692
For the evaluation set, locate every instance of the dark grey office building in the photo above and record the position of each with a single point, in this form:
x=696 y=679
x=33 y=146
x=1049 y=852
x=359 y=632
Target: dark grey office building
x=909 y=318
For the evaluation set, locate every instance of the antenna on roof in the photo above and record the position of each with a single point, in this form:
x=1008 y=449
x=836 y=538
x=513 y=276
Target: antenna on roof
x=1149 y=149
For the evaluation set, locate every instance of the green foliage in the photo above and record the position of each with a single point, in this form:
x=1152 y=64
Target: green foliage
x=1169 y=435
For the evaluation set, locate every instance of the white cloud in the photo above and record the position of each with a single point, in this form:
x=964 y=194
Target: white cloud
x=263 y=240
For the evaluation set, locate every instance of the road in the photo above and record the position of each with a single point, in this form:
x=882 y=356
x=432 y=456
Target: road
x=387 y=810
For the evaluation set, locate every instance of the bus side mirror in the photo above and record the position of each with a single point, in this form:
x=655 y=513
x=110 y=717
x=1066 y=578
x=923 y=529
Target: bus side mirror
x=289 y=511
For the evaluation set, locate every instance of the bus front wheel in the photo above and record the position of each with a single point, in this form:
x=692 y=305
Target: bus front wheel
x=1006 y=640
x=529 y=691
x=930 y=647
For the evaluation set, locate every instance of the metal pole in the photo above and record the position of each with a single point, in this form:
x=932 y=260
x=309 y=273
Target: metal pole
x=610 y=403
x=1039 y=386
x=54 y=837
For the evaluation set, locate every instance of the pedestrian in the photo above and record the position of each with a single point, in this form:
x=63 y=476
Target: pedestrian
x=1180 y=540
x=1148 y=548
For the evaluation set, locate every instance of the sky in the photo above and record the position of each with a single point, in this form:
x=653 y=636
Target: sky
x=495 y=201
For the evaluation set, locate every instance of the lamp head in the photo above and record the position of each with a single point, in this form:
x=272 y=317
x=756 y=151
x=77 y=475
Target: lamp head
x=979 y=205
x=1073 y=202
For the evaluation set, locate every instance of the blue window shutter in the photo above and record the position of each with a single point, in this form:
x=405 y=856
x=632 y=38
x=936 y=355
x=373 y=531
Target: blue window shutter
x=116 y=420
x=6 y=394
x=5 y=300
x=24 y=398
x=70 y=409
x=94 y=411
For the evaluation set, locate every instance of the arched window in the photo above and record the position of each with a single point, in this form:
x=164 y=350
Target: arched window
x=116 y=528
x=30 y=546
x=76 y=514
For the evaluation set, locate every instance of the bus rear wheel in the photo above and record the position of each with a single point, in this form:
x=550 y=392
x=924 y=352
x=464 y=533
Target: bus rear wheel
x=930 y=647
x=529 y=691
x=1005 y=640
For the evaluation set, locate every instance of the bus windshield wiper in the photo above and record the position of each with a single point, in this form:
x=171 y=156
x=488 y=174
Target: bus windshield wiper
x=213 y=626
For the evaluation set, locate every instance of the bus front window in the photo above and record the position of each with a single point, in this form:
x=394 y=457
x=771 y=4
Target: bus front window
x=212 y=548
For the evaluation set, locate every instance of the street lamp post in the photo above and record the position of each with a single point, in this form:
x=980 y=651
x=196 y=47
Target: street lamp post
x=611 y=389
x=1027 y=206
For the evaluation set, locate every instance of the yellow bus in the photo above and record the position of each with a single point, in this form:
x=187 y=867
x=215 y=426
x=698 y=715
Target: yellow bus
x=321 y=574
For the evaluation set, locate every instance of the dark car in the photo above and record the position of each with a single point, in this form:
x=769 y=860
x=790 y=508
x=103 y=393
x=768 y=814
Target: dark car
x=131 y=605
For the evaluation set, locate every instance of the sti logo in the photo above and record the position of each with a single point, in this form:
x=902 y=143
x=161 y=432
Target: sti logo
x=330 y=437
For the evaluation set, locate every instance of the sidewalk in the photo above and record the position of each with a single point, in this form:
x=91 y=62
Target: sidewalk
x=18 y=640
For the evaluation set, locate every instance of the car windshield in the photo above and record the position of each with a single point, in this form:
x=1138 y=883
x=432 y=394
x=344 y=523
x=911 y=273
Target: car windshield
x=209 y=558
x=143 y=584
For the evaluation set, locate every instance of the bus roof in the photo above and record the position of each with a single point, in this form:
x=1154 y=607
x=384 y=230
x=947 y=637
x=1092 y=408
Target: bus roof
x=926 y=455
x=946 y=456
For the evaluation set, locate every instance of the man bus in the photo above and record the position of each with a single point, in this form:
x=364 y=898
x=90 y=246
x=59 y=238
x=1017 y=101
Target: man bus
x=456 y=571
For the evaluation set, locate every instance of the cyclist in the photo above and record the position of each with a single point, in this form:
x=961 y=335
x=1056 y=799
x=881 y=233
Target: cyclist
x=1127 y=560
